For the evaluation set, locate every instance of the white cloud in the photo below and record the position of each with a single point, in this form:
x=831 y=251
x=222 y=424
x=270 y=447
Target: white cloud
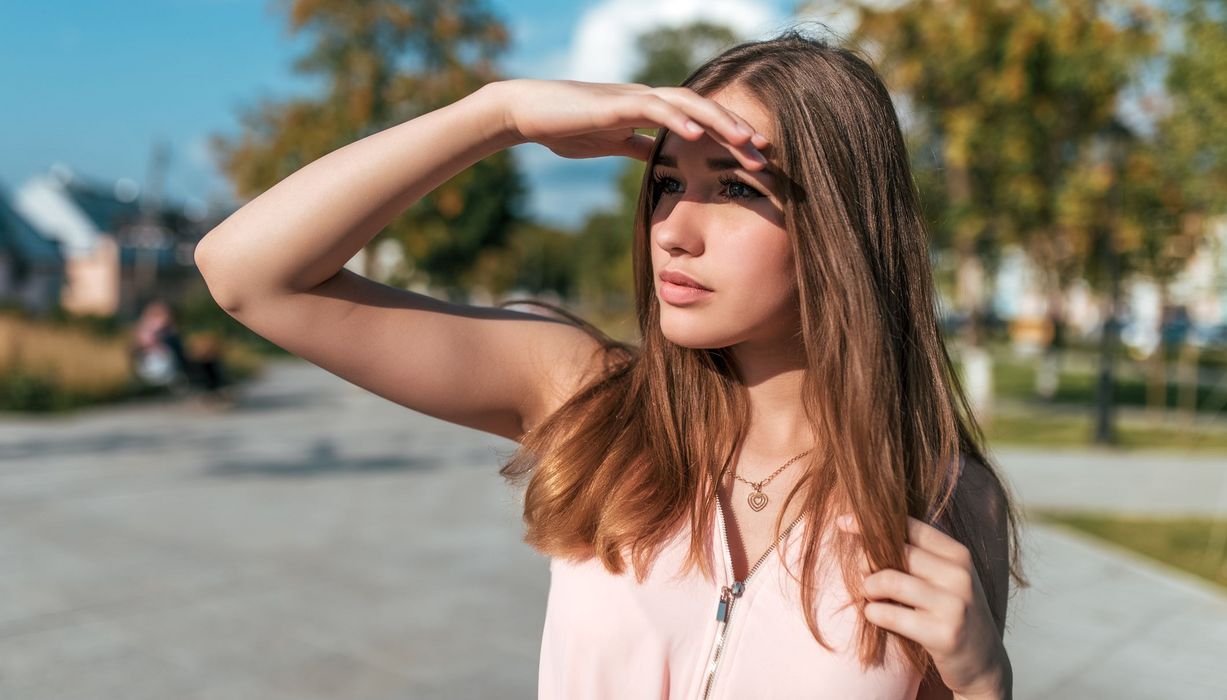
x=603 y=45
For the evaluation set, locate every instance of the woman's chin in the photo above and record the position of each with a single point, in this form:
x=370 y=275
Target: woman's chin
x=693 y=335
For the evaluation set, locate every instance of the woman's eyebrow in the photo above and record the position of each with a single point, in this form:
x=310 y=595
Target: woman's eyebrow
x=715 y=164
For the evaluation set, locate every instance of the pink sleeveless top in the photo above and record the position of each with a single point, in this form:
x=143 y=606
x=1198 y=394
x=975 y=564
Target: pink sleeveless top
x=606 y=636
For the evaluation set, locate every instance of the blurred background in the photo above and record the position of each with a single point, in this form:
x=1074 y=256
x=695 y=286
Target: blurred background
x=193 y=513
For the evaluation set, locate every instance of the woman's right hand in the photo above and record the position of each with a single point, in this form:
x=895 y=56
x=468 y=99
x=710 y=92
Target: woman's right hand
x=578 y=119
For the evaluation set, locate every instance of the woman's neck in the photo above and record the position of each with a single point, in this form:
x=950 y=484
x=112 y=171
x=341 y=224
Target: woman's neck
x=777 y=416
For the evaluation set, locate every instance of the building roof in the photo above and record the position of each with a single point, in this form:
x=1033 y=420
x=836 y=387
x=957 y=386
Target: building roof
x=76 y=211
x=22 y=241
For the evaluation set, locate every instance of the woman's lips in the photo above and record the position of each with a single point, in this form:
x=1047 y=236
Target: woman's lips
x=680 y=295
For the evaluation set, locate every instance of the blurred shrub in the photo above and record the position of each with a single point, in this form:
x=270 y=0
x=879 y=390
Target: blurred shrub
x=67 y=361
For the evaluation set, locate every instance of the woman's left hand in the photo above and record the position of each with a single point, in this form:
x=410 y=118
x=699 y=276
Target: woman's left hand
x=948 y=614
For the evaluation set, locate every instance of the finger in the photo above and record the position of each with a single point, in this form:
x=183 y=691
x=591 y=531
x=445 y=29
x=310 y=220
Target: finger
x=913 y=624
x=920 y=534
x=926 y=536
x=899 y=587
x=935 y=569
x=639 y=146
x=722 y=125
x=923 y=564
x=732 y=126
x=750 y=157
x=665 y=113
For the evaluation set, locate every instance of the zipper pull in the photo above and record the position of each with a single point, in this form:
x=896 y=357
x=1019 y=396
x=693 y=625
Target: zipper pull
x=726 y=599
x=722 y=608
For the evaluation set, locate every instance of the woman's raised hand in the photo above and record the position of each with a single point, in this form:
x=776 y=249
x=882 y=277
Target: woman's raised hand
x=578 y=119
x=939 y=603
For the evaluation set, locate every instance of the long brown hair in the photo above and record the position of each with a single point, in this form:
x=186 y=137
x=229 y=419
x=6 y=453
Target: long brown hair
x=641 y=449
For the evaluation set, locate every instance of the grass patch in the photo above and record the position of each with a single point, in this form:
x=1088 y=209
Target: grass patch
x=1184 y=543
x=50 y=366
x=1075 y=430
x=1014 y=378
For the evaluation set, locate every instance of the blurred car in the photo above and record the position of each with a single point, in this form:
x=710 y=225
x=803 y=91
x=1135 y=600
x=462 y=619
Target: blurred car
x=1209 y=336
x=953 y=322
x=1141 y=339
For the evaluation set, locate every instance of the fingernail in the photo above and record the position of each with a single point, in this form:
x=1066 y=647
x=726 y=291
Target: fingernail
x=693 y=126
x=843 y=521
x=756 y=155
x=745 y=130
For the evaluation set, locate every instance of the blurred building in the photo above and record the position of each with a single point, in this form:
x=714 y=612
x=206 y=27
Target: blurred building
x=1199 y=290
x=31 y=264
x=1202 y=285
x=118 y=251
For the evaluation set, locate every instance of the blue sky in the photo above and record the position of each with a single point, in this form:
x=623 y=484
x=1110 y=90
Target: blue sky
x=92 y=85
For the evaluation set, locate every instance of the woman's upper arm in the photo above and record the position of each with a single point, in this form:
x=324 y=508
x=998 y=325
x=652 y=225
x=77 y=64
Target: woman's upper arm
x=491 y=369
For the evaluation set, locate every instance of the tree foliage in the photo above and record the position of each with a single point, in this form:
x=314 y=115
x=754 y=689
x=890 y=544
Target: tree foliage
x=384 y=62
x=1194 y=130
x=1013 y=103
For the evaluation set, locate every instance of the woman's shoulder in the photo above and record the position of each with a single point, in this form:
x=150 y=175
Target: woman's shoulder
x=980 y=493
x=984 y=505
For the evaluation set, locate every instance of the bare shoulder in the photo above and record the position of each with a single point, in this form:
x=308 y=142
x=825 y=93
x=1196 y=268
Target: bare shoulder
x=569 y=363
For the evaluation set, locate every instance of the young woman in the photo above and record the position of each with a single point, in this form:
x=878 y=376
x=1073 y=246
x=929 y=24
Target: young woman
x=790 y=371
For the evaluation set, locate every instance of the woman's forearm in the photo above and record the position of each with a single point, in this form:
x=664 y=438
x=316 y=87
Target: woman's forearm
x=304 y=229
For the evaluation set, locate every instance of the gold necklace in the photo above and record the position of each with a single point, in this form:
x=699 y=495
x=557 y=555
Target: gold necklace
x=758 y=499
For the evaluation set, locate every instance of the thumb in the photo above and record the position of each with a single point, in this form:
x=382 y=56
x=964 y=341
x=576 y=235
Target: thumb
x=638 y=146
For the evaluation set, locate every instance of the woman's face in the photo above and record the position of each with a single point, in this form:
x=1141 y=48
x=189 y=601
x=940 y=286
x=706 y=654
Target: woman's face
x=727 y=236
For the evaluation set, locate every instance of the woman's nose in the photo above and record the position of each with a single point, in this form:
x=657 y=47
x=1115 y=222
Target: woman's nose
x=680 y=225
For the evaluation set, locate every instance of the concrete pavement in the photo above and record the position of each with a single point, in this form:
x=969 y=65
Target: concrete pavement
x=1103 y=622
x=320 y=542
x=1140 y=483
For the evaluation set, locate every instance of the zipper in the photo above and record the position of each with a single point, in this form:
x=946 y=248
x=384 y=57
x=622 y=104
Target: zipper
x=730 y=594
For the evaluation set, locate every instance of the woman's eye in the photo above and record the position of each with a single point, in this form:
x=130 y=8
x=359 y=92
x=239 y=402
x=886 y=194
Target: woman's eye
x=736 y=188
x=734 y=185
x=661 y=183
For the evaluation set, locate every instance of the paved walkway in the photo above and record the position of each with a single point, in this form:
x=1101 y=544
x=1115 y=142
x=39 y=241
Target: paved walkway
x=320 y=542
x=1129 y=628
x=1142 y=483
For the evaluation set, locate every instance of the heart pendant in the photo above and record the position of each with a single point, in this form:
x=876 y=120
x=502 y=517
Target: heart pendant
x=758 y=500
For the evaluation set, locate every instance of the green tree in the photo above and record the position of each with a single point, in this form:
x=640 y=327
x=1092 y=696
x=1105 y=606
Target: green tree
x=384 y=62
x=1015 y=126
x=1177 y=184
x=1010 y=99
x=1194 y=131
x=536 y=259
